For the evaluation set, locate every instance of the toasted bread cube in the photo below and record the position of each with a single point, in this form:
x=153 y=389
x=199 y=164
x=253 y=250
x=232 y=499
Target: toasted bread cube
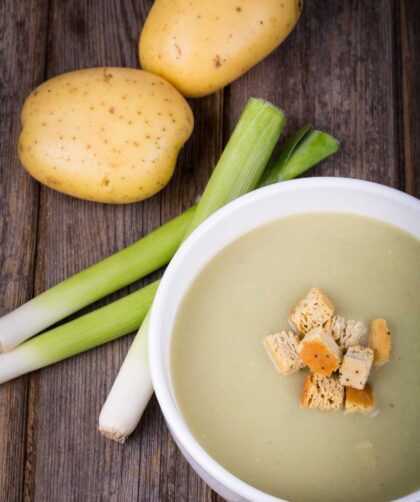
x=336 y=326
x=347 y=333
x=380 y=341
x=359 y=401
x=356 y=366
x=282 y=348
x=313 y=311
x=320 y=353
x=322 y=393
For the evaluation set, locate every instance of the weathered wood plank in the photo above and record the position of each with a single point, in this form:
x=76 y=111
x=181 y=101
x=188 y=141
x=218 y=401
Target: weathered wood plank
x=410 y=51
x=23 y=31
x=71 y=461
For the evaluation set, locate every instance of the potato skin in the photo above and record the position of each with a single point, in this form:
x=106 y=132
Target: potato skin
x=202 y=45
x=104 y=134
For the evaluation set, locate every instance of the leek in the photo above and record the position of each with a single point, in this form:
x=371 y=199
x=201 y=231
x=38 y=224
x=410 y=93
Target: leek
x=238 y=171
x=119 y=270
x=100 y=326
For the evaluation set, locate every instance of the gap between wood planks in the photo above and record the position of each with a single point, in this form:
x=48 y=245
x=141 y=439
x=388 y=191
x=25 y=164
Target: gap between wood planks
x=30 y=463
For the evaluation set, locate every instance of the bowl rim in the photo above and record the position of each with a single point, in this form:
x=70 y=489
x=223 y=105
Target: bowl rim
x=166 y=399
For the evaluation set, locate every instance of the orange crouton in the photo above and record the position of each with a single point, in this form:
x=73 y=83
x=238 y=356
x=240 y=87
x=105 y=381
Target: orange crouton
x=320 y=353
x=322 y=393
x=282 y=348
x=359 y=401
x=313 y=311
x=380 y=341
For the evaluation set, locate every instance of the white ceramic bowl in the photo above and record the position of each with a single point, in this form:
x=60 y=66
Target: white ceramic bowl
x=229 y=223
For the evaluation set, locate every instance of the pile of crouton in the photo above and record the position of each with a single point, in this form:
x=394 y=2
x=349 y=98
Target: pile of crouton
x=333 y=349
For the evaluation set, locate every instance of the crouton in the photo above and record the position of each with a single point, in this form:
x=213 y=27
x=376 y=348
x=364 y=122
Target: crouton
x=359 y=401
x=347 y=333
x=313 y=311
x=322 y=393
x=282 y=348
x=336 y=326
x=380 y=341
x=319 y=352
x=356 y=366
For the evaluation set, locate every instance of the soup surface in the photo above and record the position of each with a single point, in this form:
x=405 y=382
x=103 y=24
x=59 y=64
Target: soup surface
x=246 y=415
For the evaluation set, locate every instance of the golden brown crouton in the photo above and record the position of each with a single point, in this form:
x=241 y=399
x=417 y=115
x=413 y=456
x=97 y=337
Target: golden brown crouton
x=322 y=393
x=359 y=401
x=319 y=352
x=356 y=366
x=380 y=341
x=313 y=311
x=282 y=349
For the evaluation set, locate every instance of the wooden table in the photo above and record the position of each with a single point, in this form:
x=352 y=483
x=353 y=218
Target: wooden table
x=351 y=68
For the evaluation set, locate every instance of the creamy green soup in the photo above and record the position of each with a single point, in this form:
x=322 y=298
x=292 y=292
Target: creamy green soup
x=247 y=416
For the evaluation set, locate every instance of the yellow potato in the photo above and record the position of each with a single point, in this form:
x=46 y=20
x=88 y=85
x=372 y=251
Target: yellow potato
x=202 y=45
x=104 y=134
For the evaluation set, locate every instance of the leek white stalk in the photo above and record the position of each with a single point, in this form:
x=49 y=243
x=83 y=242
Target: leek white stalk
x=119 y=270
x=131 y=391
x=100 y=326
x=238 y=171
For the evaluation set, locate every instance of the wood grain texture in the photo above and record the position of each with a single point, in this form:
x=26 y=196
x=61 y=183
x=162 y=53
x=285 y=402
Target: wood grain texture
x=350 y=68
x=23 y=29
